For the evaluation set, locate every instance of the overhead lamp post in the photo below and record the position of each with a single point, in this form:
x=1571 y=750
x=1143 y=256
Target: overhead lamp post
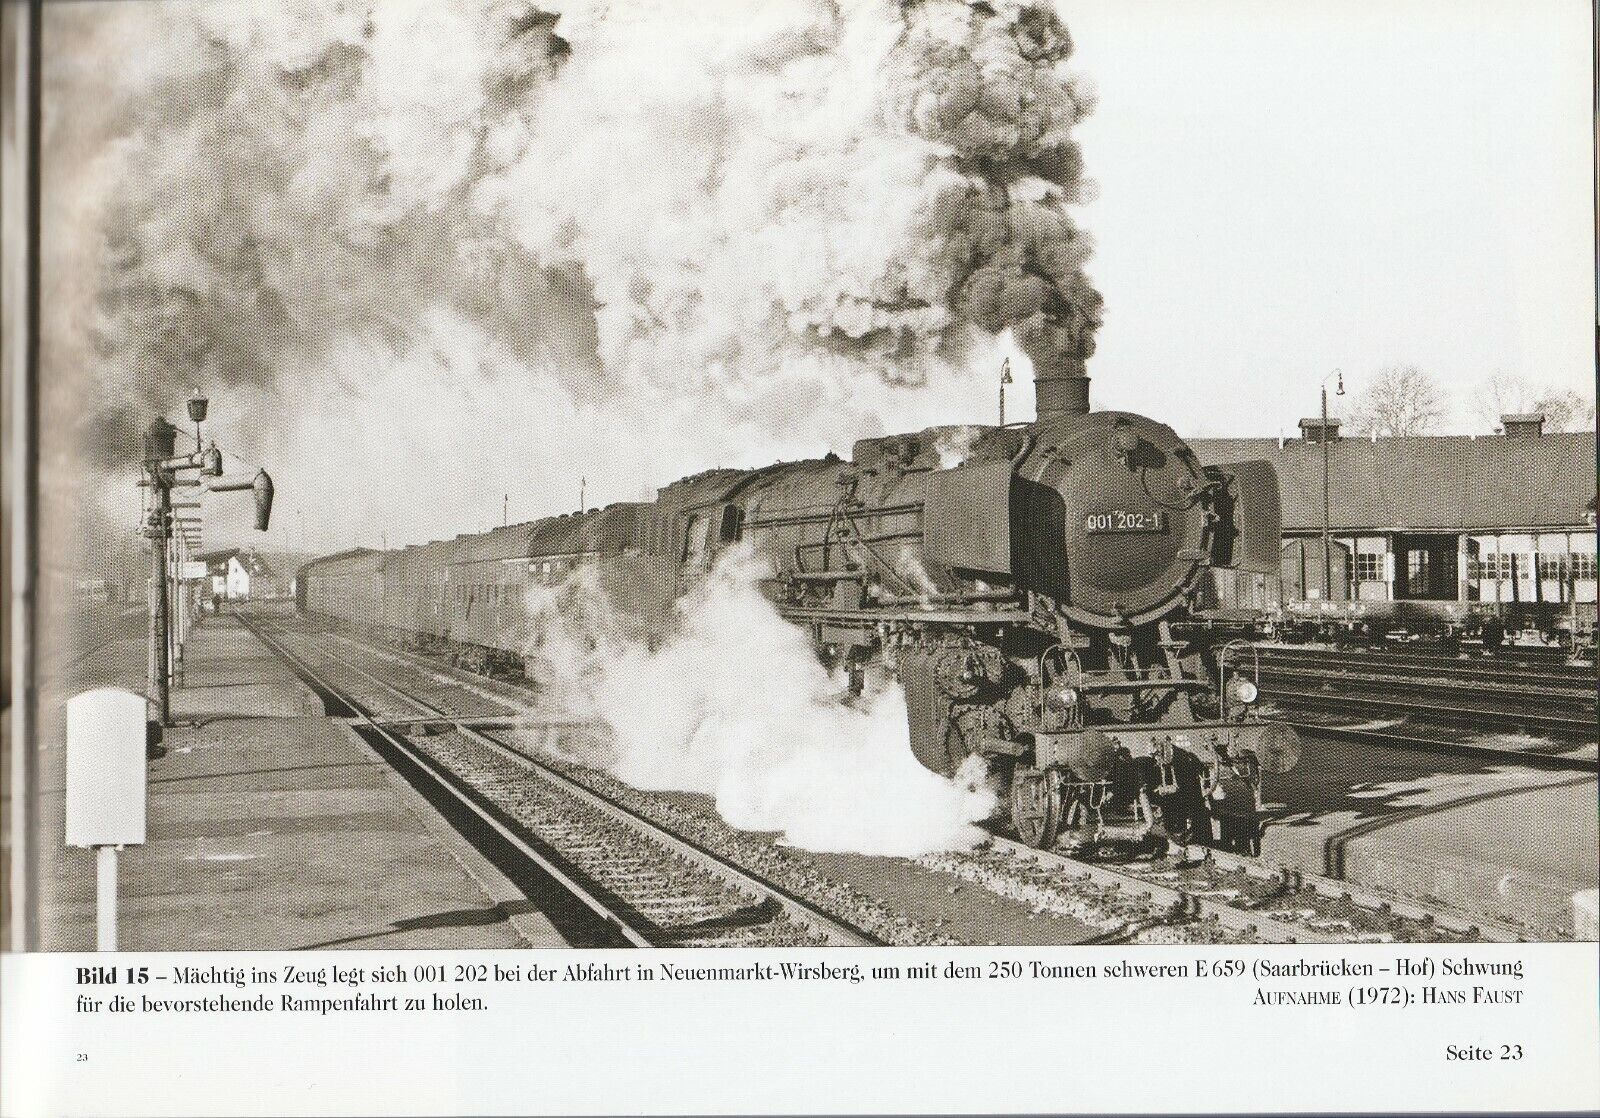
x=1327 y=487
x=161 y=468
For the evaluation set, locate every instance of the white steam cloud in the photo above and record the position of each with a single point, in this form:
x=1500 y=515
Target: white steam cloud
x=954 y=444
x=735 y=704
x=736 y=232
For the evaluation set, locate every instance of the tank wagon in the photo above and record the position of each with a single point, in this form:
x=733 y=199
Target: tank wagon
x=1065 y=598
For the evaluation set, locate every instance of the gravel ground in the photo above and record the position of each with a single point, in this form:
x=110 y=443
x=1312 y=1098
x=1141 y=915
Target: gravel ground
x=987 y=895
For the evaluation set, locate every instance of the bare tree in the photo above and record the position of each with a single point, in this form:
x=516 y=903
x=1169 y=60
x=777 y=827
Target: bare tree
x=1565 y=410
x=1503 y=394
x=1399 y=400
x=1509 y=394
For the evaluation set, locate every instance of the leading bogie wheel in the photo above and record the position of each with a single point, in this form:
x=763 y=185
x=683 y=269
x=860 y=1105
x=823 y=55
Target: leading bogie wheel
x=1035 y=806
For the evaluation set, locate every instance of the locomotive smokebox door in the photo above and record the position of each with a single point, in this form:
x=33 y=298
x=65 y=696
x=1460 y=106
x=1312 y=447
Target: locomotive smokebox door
x=966 y=518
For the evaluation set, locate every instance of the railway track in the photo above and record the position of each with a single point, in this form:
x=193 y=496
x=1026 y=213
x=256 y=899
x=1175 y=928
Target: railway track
x=1556 y=756
x=1557 y=699
x=1244 y=899
x=1568 y=723
x=1522 y=658
x=643 y=886
x=1196 y=897
x=1555 y=676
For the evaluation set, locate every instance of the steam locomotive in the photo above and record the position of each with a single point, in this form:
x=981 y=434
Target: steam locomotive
x=1067 y=599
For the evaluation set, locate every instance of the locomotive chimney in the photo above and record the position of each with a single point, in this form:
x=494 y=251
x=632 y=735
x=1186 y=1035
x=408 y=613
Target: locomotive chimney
x=1060 y=387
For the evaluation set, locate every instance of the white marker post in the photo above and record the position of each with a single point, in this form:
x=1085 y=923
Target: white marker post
x=105 y=803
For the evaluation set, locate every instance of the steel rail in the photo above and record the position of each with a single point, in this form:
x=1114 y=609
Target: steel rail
x=1483 y=718
x=1577 y=695
x=1182 y=906
x=1430 y=673
x=1250 y=922
x=1541 y=665
x=836 y=932
x=1364 y=896
x=1178 y=903
x=1570 y=760
x=452 y=785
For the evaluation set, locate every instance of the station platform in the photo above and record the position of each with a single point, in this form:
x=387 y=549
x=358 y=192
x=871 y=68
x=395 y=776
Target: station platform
x=1510 y=844
x=271 y=826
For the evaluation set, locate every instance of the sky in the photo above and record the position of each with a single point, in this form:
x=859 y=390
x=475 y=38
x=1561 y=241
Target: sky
x=1290 y=189
x=1272 y=192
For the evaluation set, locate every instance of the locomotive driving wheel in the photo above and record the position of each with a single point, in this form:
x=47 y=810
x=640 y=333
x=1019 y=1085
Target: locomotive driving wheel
x=1035 y=805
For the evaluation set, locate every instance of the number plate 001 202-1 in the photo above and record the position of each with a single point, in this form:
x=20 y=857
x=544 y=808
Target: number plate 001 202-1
x=1121 y=520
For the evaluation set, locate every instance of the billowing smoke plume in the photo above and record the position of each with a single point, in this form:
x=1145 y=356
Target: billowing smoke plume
x=301 y=176
x=985 y=84
x=734 y=704
x=736 y=232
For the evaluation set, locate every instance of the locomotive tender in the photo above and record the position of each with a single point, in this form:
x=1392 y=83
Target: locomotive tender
x=1058 y=601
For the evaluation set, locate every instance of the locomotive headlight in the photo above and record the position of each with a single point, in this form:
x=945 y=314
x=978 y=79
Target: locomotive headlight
x=1243 y=690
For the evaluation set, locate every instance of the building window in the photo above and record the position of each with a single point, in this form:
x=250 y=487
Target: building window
x=1552 y=566
x=1583 y=564
x=1369 y=568
x=1417 y=568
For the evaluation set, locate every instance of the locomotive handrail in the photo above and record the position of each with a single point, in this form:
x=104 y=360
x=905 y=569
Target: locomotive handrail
x=952 y=597
x=820 y=517
x=1090 y=682
x=923 y=617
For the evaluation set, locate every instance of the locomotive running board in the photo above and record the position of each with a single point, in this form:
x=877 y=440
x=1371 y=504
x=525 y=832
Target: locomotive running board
x=937 y=616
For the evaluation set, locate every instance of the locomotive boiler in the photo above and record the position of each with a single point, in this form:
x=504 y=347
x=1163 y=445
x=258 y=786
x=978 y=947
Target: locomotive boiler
x=1055 y=597
x=1048 y=596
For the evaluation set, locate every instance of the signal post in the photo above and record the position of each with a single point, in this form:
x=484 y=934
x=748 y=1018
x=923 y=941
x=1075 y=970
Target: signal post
x=161 y=474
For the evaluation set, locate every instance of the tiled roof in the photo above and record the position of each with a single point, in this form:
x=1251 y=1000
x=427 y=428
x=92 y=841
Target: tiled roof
x=255 y=565
x=1450 y=482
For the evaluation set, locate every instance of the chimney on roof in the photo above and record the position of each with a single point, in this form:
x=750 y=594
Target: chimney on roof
x=1313 y=432
x=1526 y=425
